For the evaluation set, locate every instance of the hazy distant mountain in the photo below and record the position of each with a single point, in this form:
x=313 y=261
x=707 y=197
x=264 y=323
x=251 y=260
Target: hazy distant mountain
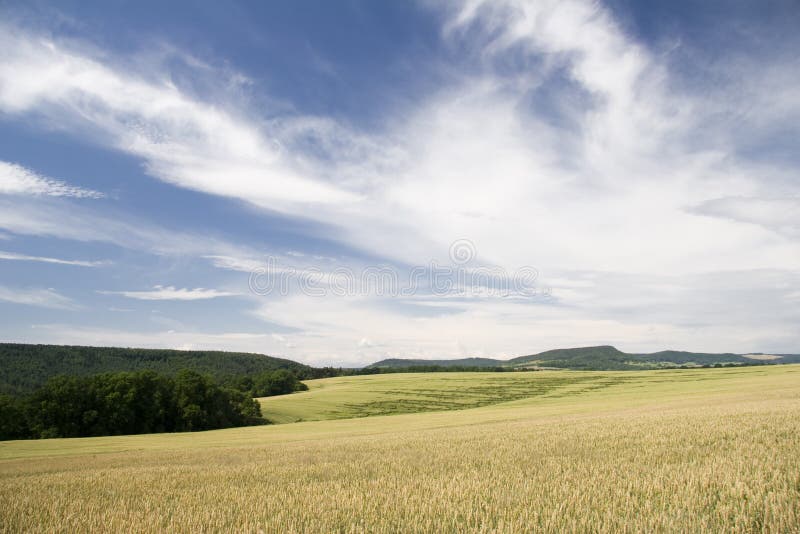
x=602 y=358
x=461 y=362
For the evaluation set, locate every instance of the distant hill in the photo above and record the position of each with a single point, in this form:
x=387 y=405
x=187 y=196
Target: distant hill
x=462 y=362
x=602 y=358
x=700 y=358
x=23 y=367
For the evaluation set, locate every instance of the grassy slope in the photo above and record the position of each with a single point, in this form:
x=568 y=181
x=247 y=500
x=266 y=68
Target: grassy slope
x=715 y=449
x=345 y=397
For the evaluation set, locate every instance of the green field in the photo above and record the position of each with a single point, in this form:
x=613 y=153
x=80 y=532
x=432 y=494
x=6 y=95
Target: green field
x=662 y=451
x=361 y=396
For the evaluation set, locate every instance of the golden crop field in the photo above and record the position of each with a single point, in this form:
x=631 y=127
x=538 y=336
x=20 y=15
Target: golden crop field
x=668 y=451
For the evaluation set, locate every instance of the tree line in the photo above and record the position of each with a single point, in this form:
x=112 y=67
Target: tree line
x=26 y=367
x=139 y=402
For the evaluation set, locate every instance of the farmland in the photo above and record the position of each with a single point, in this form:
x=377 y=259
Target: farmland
x=362 y=396
x=675 y=450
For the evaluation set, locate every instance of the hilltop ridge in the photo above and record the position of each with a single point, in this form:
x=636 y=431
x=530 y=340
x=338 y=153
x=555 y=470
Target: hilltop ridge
x=600 y=358
x=24 y=367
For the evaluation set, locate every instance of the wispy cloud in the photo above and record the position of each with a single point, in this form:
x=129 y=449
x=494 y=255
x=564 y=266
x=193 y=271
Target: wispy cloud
x=781 y=215
x=172 y=293
x=43 y=298
x=181 y=139
x=231 y=263
x=12 y=256
x=63 y=220
x=18 y=180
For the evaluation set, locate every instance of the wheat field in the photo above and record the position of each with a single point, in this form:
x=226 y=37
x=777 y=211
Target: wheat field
x=704 y=451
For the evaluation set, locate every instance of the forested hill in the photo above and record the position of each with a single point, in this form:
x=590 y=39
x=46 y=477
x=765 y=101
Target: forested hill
x=23 y=368
x=461 y=362
x=604 y=358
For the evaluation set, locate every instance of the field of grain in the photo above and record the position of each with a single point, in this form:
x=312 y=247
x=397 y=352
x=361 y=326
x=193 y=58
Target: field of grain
x=362 y=396
x=693 y=451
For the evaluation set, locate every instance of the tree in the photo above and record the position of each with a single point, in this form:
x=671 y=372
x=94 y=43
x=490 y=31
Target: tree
x=13 y=424
x=277 y=382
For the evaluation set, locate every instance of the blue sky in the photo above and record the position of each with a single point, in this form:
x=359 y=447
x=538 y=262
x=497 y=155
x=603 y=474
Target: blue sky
x=636 y=163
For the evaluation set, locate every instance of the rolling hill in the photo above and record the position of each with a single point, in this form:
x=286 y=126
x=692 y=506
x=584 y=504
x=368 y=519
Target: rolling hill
x=601 y=358
x=460 y=362
x=346 y=397
x=24 y=367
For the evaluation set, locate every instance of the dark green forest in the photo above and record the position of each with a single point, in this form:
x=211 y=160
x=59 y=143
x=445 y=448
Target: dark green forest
x=125 y=403
x=71 y=391
x=23 y=368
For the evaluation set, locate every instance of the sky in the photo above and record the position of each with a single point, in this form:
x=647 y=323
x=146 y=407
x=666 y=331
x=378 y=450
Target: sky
x=342 y=182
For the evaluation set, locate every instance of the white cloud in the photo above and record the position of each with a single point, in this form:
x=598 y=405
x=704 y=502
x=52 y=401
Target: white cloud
x=17 y=180
x=182 y=140
x=779 y=214
x=283 y=274
x=231 y=263
x=172 y=293
x=64 y=220
x=43 y=298
x=23 y=257
x=611 y=194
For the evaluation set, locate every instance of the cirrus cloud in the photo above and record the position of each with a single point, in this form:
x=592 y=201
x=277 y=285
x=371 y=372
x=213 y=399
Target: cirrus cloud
x=12 y=256
x=18 y=180
x=172 y=293
x=43 y=298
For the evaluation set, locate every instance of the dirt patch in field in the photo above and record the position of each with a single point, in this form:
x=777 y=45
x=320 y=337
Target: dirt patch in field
x=761 y=357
